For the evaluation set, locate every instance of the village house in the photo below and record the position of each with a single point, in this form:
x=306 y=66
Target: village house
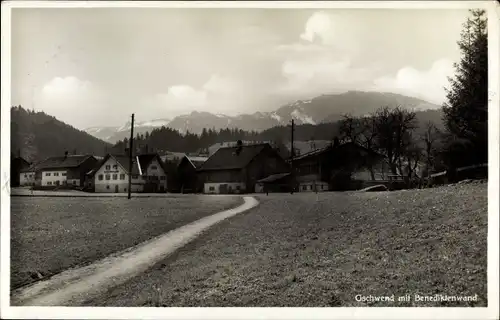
x=17 y=167
x=187 y=177
x=111 y=174
x=27 y=177
x=67 y=170
x=338 y=167
x=237 y=169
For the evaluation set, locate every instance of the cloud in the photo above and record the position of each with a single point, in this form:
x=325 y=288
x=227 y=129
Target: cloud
x=66 y=88
x=217 y=94
x=183 y=97
x=319 y=25
x=72 y=100
x=318 y=64
x=428 y=84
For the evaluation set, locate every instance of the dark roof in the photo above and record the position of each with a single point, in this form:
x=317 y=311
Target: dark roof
x=122 y=160
x=227 y=159
x=339 y=148
x=274 y=177
x=20 y=159
x=145 y=159
x=70 y=161
x=195 y=161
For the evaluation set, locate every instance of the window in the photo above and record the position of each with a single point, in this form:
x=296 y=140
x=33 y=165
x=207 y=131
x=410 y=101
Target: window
x=57 y=182
x=108 y=177
x=304 y=188
x=56 y=174
x=154 y=167
x=211 y=188
x=162 y=177
x=47 y=174
x=100 y=177
x=238 y=188
x=122 y=176
x=108 y=167
x=115 y=166
x=63 y=174
x=49 y=183
x=125 y=189
x=74 y=182
x=25 y=175
x=107 y=187
x=115 y=176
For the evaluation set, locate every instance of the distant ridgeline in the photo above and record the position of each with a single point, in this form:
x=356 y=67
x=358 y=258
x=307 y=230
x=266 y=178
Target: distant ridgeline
x=307 y=136
x=36 y=136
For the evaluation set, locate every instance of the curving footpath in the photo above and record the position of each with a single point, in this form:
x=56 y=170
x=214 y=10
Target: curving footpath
x=72 y=287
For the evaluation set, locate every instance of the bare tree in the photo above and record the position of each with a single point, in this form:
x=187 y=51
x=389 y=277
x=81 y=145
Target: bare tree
x=350 y=128
x=393 y=128
x=411 y=158
x=430 y=138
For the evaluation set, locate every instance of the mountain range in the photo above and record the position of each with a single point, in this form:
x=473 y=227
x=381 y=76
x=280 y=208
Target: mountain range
x=321 y=109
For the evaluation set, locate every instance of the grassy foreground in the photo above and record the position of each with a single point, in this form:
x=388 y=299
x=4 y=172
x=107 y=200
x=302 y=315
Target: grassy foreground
x=323 y=250
x=49 y=235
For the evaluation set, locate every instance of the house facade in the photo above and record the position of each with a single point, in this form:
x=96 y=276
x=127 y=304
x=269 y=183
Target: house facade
x=17 y=166
x=111 y=175
x=27 y=177
x=237 y=169
x=67 y=171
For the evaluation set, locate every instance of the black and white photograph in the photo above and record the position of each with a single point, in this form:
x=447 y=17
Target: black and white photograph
x=320 y=159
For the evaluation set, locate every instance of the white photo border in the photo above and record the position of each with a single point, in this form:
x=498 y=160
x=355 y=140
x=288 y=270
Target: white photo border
x=491 y=312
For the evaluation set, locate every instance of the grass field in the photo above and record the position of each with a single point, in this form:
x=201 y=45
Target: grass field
x=49 y=235
x=323 y=250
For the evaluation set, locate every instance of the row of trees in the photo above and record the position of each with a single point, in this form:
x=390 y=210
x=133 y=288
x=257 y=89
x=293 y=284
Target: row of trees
x=393 y=132
x=167 y=139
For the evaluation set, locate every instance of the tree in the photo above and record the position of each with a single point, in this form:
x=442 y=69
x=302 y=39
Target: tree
x=430 y=140
x=350 y=128
x=393 y=133
x=466 y=113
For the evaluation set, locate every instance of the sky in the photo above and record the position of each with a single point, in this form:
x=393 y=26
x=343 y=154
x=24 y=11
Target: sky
x=95 y=66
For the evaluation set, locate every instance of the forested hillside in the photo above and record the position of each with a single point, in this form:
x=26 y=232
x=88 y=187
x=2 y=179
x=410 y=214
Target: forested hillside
x=36 y=136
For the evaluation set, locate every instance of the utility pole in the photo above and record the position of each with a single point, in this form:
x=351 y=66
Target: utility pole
x=292 y=153
x=131 y=147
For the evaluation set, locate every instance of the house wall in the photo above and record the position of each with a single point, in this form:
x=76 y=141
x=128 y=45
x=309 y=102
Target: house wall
x=17 y=165
x=78 y=174
x=155 y=174
x=27 y=178
x=53 y=177
x=312 y=186
x=187 y=176
x=118 y=179
x=229 y=187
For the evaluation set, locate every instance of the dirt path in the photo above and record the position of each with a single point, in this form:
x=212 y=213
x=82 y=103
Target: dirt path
x=74 y=286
